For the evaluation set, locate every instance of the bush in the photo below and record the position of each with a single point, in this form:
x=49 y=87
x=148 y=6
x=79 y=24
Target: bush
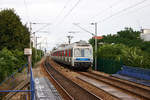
x=130 y=56
x=7 y=63
x=36 y=55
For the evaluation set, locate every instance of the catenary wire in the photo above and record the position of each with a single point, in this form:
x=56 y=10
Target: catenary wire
x=27 y=13
x=125 y=9
x=62 y=10
x=104 y=10
x=76 y=4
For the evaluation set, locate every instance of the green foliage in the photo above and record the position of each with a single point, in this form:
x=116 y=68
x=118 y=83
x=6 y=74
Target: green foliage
x=128 y=46
x=21 y=58
x=7 y=63
x=130 y=56
x=15 y=37
x=128 y=37
x=13 y=34
x=36 y=55
x=129 y=34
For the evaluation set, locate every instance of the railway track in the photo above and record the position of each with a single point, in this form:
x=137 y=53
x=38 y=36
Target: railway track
x=141 y=92
x=72 y=90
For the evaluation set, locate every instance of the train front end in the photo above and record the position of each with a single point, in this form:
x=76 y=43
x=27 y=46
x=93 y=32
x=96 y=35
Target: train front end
x=83 y=57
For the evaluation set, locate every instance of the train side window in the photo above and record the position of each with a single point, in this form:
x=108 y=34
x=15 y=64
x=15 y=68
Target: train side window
x=71 y=52
x=66 y=53
x=62 y=53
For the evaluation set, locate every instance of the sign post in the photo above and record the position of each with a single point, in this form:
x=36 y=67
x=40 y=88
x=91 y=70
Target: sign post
x=28 y=52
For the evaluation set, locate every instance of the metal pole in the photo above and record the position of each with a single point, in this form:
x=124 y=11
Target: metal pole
x=36 y=48
x=95 y=46
x=29 y=63
x=30 y=34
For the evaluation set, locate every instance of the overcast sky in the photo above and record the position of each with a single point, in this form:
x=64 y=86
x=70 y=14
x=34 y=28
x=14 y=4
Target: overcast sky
x=111 y=16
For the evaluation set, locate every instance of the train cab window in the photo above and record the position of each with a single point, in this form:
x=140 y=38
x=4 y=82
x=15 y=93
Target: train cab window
x=87 y=52
x=77 y=52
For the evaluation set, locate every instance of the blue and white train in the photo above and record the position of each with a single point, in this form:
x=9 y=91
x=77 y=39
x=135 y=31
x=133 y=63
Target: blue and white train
x=78 y=55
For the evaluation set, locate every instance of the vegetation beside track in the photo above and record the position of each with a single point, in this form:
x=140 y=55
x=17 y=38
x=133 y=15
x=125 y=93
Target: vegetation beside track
x=14 y=37
x=125 y=46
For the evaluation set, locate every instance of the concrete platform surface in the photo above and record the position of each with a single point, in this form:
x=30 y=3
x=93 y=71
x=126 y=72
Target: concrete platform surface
x=107 y=88
x=44 y=90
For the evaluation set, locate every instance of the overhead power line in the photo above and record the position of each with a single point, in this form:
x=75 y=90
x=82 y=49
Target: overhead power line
x=62 y=10
x=83 y=28
x=71 y=10
x=104 y=10
x=123 y=10
x=26 y=8
x=47 y=24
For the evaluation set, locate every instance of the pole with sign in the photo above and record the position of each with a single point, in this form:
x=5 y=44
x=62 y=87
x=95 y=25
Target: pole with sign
x=28 y=52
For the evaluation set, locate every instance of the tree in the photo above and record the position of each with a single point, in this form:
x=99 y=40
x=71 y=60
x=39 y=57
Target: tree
x=13 y=34
x=127 y=46
x=128 y=37
x=7 y=63
x=14 y=37
x=130 y=56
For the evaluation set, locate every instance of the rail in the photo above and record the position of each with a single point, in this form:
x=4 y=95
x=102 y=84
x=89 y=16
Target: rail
x=78 y=92
x=127 y=86
x=32 y=90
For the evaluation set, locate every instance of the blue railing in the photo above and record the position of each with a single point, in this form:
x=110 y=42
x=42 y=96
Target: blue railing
x=12 y=75
x=32 y=84
x=139 y=73
x=32 y=89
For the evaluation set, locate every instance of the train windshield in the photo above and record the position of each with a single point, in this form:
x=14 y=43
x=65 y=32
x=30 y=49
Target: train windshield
x=83 y=52
x=77 y=52
x=87 y=52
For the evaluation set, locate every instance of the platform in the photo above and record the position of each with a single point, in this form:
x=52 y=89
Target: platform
x=107 y=88
x=44 y=90
x=139 y=81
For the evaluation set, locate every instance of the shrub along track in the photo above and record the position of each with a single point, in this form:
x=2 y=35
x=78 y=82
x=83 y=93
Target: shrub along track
x=73 y=90
x=135 y=89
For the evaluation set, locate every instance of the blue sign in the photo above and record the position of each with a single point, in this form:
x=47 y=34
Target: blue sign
x=83 y=59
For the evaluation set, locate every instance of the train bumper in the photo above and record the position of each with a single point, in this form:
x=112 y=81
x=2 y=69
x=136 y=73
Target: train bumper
x=82 y=65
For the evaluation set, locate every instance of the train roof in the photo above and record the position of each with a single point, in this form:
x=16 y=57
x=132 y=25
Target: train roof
x=69 y=46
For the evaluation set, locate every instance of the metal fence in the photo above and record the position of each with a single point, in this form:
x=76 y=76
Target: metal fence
x=136 y=72
x=13 y=81
x=109 y=66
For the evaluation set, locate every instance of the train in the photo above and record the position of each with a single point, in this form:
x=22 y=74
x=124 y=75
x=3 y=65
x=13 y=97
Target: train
x=78 y=55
